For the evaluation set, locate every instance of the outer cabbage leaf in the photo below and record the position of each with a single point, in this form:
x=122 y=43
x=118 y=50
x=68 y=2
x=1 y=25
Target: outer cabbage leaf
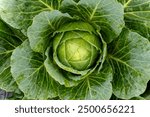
x=106 y=15
x=19 y=13
x=129 y=56
x=27 y=68
x=8 y=42
x=96 y=86
x=137 y=16
x=43 y=27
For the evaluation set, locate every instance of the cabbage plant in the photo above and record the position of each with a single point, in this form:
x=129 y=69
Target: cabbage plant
x=75 y=49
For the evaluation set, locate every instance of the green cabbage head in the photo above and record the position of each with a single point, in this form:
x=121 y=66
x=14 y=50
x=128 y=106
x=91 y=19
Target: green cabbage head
x=75 y=48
